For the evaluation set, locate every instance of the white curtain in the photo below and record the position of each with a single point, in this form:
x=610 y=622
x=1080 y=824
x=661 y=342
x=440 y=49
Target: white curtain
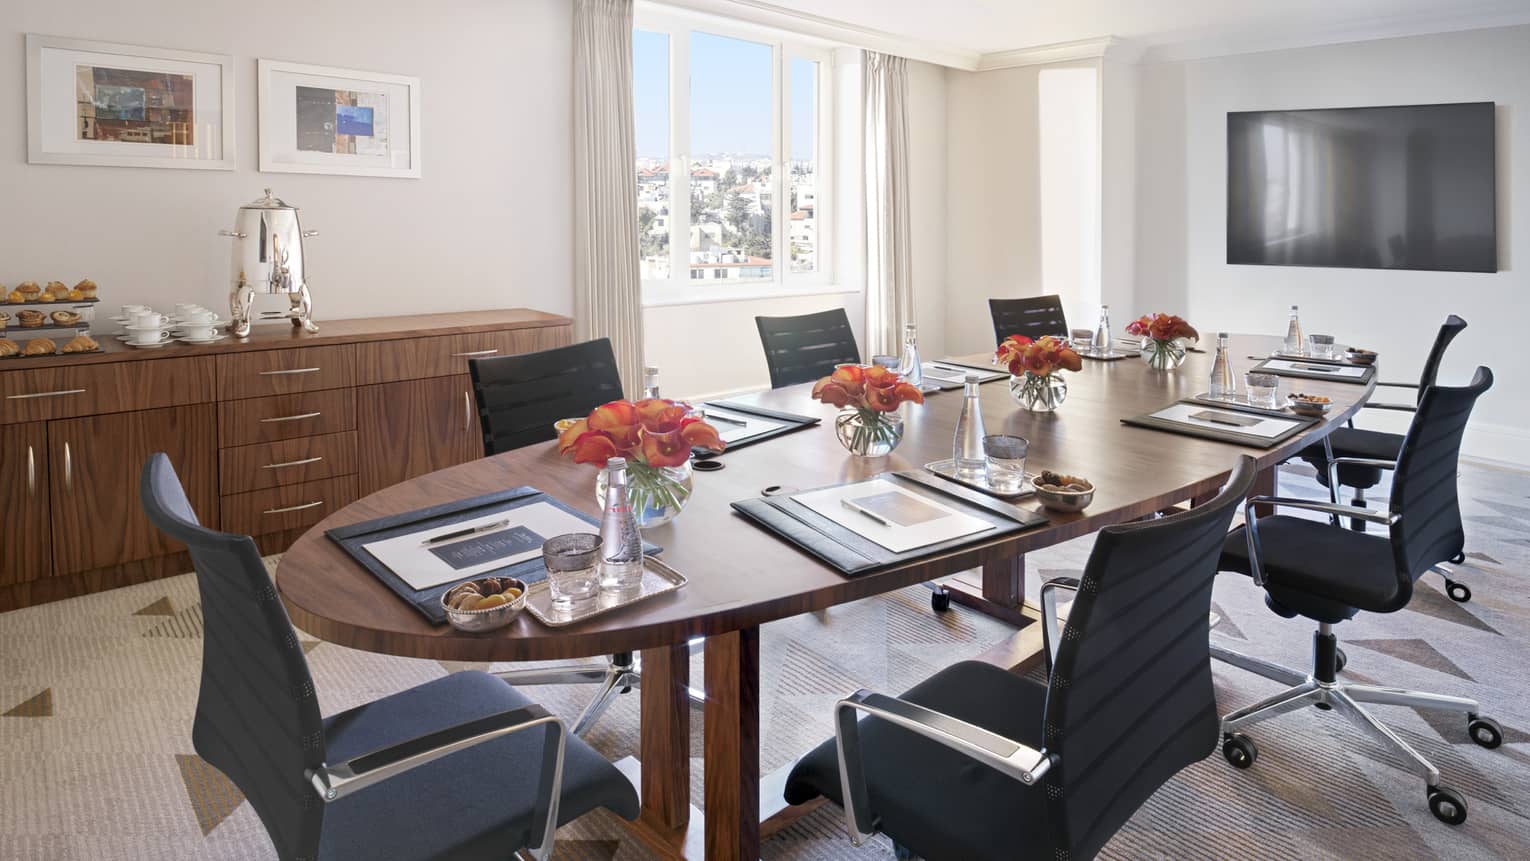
x=607 y=287
x=889 y=271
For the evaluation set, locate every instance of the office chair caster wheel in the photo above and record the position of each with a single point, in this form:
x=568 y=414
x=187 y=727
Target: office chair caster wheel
x=1239 y=750
x=940 y=600
x=1484 y=731
x=1340 y=660
x=901 y=852
x=1447 y=805
x=1457 y=591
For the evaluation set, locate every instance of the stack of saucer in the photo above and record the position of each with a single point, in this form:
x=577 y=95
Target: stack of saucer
x=197 y=325
x=143 y=327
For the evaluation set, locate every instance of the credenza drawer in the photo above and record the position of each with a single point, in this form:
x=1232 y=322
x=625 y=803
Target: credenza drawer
x=437 y=356
x=279 y=372
x=258 y=420
x=291 y=461
x=291 y=506
x=38 y=394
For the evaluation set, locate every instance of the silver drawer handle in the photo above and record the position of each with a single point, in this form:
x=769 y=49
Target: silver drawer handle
x=292 y=463
x=290 y=371
x=31 y=472
x=57 y=394
x=293 y=507
x=471 y=353
x=68 y=469
x=297 y=417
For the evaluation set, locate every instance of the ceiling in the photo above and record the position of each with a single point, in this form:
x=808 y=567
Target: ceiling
x=990 y=26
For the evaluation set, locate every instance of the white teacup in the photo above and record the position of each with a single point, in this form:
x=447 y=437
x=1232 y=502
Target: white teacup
x=199 y=331
x=131 y=311
x=183 y=309
x=148 y=319
x=148 y=336
x=199 y=315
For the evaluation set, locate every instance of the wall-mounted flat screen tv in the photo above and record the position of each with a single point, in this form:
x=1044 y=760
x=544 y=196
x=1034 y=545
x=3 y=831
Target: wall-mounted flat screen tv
x=1407 y=187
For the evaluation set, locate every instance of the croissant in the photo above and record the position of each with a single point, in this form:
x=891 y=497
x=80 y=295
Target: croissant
x=4 y=319
x=82 y=344
x=40 y=347
x=9 y=347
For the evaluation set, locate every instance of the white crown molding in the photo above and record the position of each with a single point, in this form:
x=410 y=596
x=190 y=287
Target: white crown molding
x=1203 y=45
x=1061 y=52
x=807 y=24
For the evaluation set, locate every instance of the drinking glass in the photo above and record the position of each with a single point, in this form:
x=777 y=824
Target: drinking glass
x=1083 y=340
x=888 y=362
x=1320 y=346
x=1262 y=390
x=1004 y=462
x=573 y=569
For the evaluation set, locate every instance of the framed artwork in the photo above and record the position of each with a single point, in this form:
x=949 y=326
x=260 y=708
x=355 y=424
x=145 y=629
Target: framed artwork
x=318 y=119
x=100 y=103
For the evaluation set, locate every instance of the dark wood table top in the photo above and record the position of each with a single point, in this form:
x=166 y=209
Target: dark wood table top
x=741 y=575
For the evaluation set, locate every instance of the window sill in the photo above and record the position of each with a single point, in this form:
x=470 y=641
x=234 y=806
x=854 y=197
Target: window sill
x=744 y=294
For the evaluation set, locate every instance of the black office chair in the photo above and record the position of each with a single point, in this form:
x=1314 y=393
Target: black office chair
x=461 y=767
x=1327 y=573
x=951 y=769
x=1033 y=316
x=806 y=347
x=519 y=399
x=521 y=396
x=1353 y=442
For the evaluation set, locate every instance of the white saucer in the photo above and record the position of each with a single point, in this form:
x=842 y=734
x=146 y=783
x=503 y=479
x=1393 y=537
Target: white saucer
x=154 y=346
x=161 y=328
x=212 y=340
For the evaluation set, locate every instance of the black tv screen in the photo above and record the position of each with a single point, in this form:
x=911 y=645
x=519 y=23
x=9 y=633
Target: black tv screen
x=1409 y=187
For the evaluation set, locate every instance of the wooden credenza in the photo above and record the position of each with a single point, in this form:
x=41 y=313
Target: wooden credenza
x=270 y=434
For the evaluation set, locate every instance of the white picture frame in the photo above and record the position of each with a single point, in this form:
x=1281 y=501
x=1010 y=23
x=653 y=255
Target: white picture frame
x=294 y=130
x=142 y=85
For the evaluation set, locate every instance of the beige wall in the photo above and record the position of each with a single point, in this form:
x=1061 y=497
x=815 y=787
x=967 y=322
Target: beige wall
x=488 y=225
x=1181 y=205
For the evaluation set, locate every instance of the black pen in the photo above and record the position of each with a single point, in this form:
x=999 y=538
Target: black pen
x=728 y=420
x=463 y=533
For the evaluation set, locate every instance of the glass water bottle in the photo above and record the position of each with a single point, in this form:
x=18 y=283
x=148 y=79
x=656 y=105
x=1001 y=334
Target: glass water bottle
x=1295 y=344
x=650 y=382
x=1102 y=344
x=621 y=551
x=909 y=367
x=1223 y=385
x=967 y=449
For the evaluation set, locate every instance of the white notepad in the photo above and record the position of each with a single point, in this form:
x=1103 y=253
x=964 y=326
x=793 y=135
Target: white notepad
x=1267 y=427
x=412 y=559
x=900 y=520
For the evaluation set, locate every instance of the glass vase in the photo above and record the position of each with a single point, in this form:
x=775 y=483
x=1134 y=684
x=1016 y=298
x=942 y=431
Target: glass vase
x=1037 y=393
x=868 y=433
x=1162 y=355
x=657 y=493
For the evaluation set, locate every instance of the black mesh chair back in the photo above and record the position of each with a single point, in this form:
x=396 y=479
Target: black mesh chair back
x=521 y=397
x=1424 y=488
x=1032 y=316
x=1453 y=326
x=804 y=348
x=1130 y=700
x=257 y=719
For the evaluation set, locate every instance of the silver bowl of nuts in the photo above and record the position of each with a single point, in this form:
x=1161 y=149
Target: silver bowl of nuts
x=1309 y=405
x=1065 y=493
x=484 y=604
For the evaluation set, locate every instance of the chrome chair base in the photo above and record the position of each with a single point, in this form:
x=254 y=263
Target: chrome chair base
x=621 y=673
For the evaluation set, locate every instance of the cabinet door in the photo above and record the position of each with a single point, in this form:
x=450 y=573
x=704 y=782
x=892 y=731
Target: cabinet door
x=95 y=463
x=25 y=550
x=414 y=427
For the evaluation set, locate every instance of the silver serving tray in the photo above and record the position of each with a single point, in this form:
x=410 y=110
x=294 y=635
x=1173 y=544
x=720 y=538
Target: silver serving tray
x=947 y=469
x=658 y=578
x=1242 y=406
x=1337 y=360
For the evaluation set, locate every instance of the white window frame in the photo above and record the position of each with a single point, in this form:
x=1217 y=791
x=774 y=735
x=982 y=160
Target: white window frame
x=680 y=288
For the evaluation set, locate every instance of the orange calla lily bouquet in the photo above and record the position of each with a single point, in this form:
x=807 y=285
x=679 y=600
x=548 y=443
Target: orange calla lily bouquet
x=653 y=435
x=1165 y=331
x=874 y=393
x=1041 y=357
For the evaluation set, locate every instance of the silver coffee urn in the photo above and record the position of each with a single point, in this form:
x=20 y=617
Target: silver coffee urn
x=268 y=258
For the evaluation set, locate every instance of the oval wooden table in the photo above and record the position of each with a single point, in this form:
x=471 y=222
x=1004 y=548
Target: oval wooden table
x=741 y=576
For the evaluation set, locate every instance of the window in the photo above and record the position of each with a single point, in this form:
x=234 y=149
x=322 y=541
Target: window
x=731 y=175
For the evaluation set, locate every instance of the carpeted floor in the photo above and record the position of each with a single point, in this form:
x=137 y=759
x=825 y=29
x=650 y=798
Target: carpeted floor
x=97 y=693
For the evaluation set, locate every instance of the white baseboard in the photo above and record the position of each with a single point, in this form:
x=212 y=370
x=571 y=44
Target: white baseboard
x=1497 y=444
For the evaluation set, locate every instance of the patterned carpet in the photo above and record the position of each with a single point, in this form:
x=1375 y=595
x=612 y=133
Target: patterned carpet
x=97 y=693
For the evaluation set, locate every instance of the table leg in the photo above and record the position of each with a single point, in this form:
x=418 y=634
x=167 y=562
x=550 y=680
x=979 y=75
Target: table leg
x=665 y=742
x=732 y=765
x=1266 y=483
x=1004 y=581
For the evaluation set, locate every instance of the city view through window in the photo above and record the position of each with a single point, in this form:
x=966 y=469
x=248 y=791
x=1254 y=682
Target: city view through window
x=729 y=160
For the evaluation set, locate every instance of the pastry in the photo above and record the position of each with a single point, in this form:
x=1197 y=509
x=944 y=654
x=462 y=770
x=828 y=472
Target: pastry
x=40 y=347
x=57 y=289
x=30 y=319
x=87 y=288
x=76 y=296
x=46 y=297
x=9 y=347
x=16 y=297
x=4 y=319
x=28 y=289
x=82 y=344
x=64 y=318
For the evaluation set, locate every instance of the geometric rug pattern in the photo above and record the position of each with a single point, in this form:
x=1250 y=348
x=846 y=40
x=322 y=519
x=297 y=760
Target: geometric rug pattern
x=97 y=694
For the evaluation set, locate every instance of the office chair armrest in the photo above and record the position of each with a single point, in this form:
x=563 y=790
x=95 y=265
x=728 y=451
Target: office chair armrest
x=1401 y=408
x=334 y=782
x=1006 y=756
x=1050 y=636
x=1251 y=519
x=1397 y=385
